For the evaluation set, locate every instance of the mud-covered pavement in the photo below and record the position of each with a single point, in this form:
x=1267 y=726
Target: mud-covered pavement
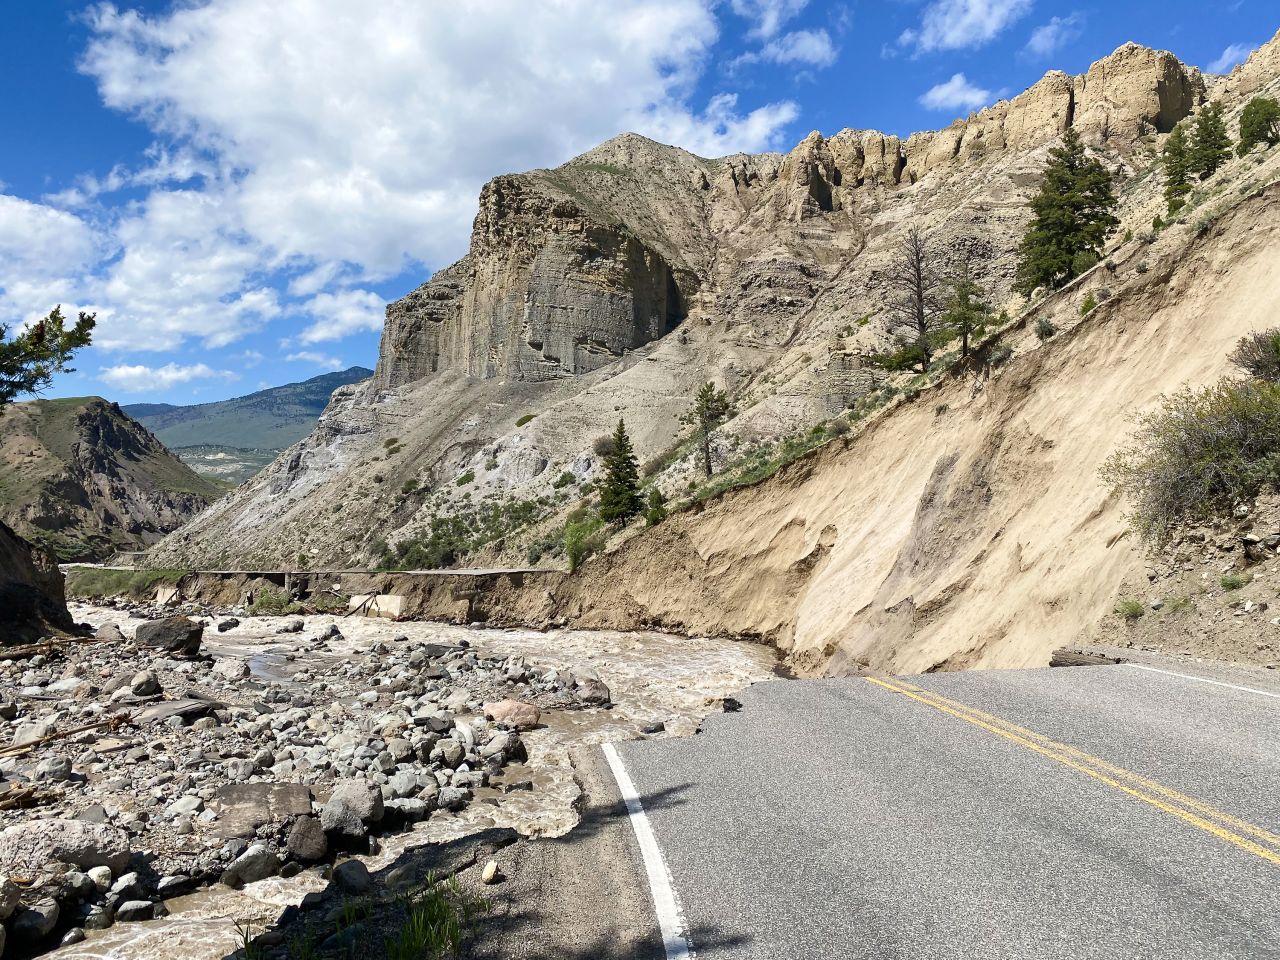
x=656 y=683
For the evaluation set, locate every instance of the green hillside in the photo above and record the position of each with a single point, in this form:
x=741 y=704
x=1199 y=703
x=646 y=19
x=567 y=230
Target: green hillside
x=268 y=420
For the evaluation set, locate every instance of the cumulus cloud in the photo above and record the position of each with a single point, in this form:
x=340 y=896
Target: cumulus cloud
x=309 y=148
x=1051 y=37
x=811 y=47
x=955 y=94
x=42 y=249
x=1232 y=56
x=319 y=360
x=768 y=16
x=138 y=378
x=340 y=314
x=958 y=24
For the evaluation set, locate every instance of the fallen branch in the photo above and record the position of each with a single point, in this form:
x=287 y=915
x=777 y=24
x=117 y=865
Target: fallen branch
x=111 y=723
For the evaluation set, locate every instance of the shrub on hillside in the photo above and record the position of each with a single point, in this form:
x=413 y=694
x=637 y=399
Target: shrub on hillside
x=1198 y=454
x=1258 y=355
x=582 y=538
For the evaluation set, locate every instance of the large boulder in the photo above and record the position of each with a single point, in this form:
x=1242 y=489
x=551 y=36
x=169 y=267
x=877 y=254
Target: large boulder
x=25 y=848
x=256 y=863
x=178 y=635
x=307 y=842
x=352 y=806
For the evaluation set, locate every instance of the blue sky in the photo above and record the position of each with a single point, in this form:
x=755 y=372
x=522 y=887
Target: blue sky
x=237 y=188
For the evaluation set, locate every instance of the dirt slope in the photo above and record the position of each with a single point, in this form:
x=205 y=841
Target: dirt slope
x=968 y=527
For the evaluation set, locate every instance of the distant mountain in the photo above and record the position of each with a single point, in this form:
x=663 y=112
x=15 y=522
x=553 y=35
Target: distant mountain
x=234 y=439
x=84 y=480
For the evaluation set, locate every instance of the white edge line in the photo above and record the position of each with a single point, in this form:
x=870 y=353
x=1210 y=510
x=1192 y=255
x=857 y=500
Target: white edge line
x=1216 y=683
x=675 y=939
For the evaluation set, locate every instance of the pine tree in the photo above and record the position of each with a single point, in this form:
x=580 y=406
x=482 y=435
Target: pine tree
x=29 y=361
x=1177 y=169
x=967 y=314
x=1260 y=123
x=1073 y=216
x=620 y=492
x=1210 y=145
x=711 y=407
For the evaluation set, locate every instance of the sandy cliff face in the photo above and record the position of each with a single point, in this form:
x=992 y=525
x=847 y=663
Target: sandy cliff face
x=610 y=287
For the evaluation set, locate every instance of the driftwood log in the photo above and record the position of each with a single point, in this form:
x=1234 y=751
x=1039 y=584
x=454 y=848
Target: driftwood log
x=1069 y=657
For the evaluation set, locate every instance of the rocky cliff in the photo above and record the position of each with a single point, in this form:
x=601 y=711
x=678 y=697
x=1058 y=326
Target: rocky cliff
x=32 y=598
x=83 y=479
x=613 y=285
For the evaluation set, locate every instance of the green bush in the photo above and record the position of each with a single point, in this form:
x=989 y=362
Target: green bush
x=582 y=538
x=95 y=583
x=1045 y=329
x=466 y=478
x=525 y=419
x=655 y=508
x=1234 y=581
x=1143 y=267
x=1128 y=608
x=451 y=537
x=272 y=603
x=562 y=481
x=1089 y=305
x=1198 y=454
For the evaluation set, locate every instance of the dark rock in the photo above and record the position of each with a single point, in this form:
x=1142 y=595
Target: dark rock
x=352 y=806
x=132 y=911
x=352 y=877
x=36 y=922
x=227 y=624
x=307 y=841
x=178 y=635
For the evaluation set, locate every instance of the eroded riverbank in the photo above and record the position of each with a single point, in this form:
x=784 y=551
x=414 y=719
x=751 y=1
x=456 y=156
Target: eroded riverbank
x=652 y=679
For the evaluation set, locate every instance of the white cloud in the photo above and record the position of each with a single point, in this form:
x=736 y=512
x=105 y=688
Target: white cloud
x=41 y=250
x=316 y=360
x=1050 y=37
x=339 y=314
x=957 y=24
x=768 y=15
x=316 y=145
x=1232 y=56
x=812 y=47
x=138 y=378
x=955 y=94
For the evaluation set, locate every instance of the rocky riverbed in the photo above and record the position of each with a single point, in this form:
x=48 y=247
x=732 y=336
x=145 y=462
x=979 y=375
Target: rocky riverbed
x=192 y=772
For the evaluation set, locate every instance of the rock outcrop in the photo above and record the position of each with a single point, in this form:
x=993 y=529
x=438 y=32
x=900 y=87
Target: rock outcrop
x=32 y=601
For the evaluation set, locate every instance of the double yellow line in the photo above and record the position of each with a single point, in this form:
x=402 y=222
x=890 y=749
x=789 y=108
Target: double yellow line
x=1224 y=826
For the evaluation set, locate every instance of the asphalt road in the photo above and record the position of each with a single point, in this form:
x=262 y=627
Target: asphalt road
x=1070 y=813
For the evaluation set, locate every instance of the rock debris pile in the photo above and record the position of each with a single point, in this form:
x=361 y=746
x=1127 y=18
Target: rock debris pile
x=135 y=768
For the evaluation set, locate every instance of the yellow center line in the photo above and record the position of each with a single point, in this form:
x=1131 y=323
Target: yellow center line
x=1182 y=814
x=1181 y=799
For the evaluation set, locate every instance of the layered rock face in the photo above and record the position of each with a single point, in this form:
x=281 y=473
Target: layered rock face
x=84 y=479
x=610 y=287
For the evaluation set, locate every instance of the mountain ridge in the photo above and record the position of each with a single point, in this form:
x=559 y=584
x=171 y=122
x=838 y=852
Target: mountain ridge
x=81 y=478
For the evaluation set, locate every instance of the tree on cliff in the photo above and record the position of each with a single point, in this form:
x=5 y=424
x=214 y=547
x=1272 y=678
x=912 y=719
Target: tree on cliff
x=1210 y=143
x=1177 y=169
x=29 y=361
x=916 y=288
x=1260 y=123
x=967 y=314
x=711 y=407
x=620 y=492
x=1073 y=217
